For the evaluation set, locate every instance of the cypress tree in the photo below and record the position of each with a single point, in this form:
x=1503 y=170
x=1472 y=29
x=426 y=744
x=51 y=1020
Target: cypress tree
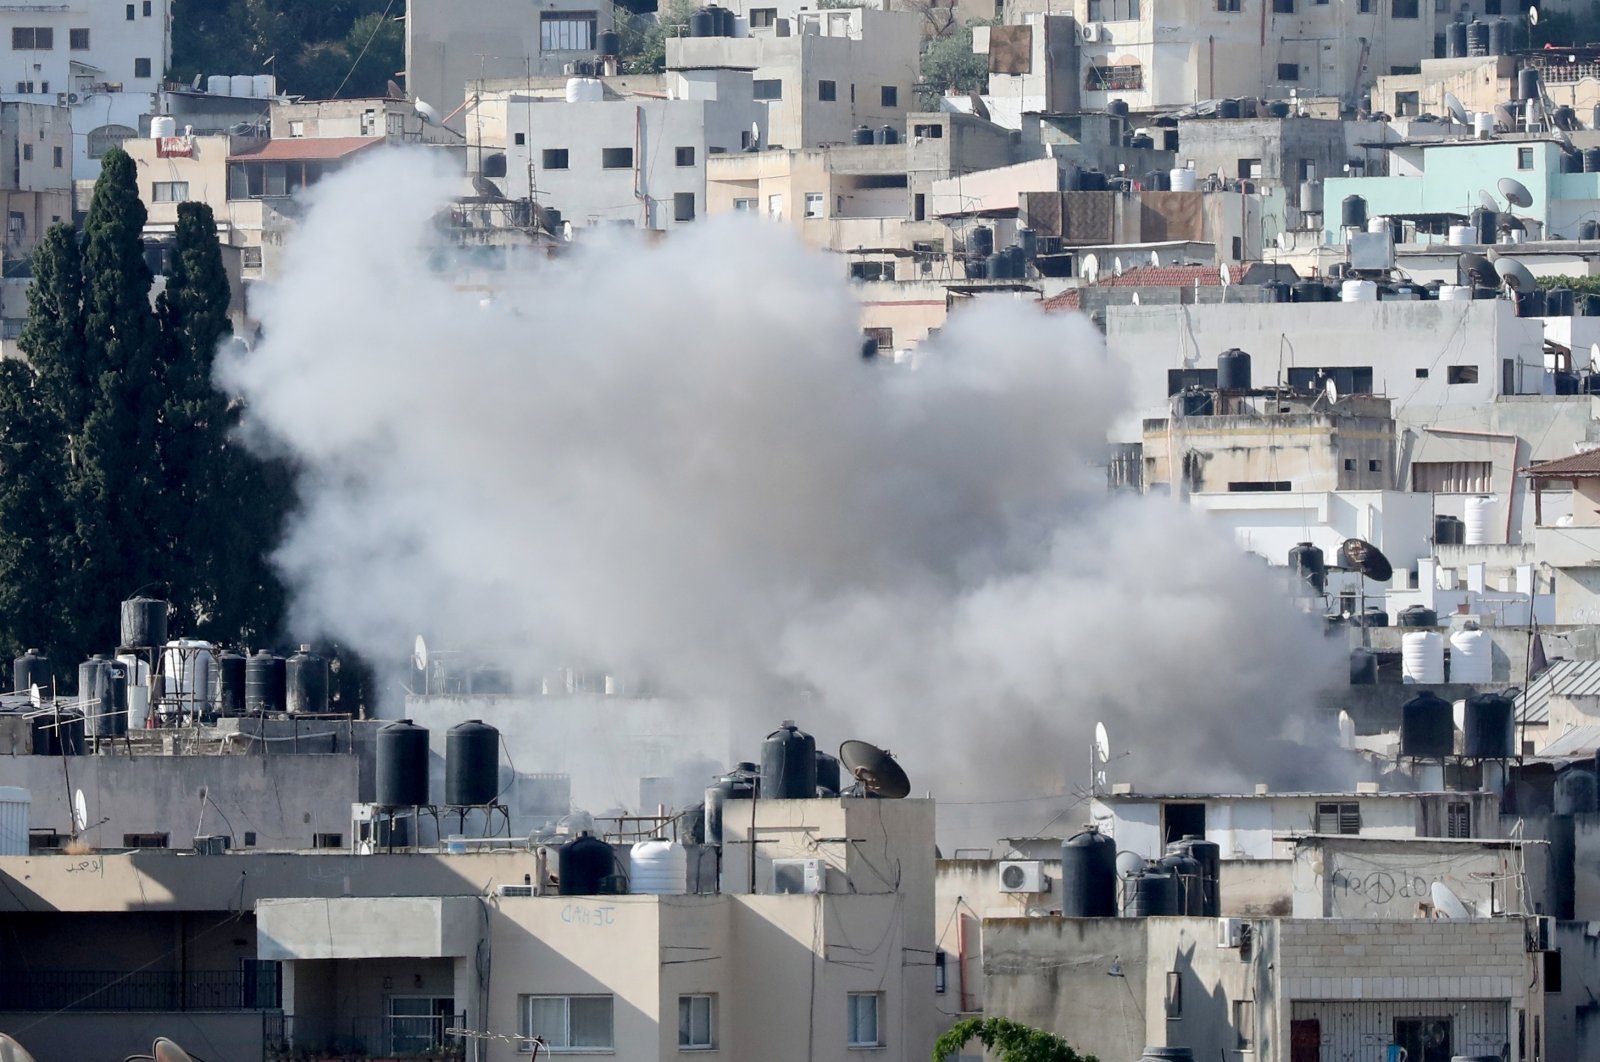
x=32 y=528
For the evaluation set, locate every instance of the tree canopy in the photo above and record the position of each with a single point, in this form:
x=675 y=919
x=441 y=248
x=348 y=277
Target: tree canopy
x=949 y=65
x=319 y=49
x=1010 y=1041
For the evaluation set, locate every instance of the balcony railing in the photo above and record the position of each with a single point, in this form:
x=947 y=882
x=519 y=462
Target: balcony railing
x=253 y=988
x=387 y=1035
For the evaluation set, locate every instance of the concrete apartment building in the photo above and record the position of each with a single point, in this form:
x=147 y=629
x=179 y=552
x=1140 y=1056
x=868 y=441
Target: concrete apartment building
x=103 y=60
x=36 y=189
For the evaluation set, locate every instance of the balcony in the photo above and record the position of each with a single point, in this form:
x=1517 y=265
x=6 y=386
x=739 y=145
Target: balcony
x=255 y=987
x=367 y=1037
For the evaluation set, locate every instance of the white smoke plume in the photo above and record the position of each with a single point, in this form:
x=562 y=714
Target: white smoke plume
x=670 y=461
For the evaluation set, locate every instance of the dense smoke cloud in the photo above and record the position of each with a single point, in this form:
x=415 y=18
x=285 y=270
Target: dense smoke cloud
x=670 y=461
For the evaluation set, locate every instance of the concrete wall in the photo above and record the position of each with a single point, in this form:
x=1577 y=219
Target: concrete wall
x=1340 y=878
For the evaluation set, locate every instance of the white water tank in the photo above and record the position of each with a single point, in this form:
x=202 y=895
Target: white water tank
x=241 y=85
x=1422 y=657
x=658 y=868
x=1358 y=291
x=1462 y=235
x=163 y=125
x=1182 y=180
x=1477 y=530
x=1378 y=224
x=585 y=90
x=1455 y=293
x=14 y=805
x=1483 y=125
x=138 y=690
x=265 y=86
x=1471 y=657
x=219 y=84
x=186 y=675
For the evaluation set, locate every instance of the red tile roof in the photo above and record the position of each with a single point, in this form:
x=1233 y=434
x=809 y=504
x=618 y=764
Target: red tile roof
x=1584 y=464
x=308 y=149
x=1175 y=276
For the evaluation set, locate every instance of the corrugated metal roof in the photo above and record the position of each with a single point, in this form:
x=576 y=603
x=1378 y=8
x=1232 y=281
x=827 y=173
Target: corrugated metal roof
x=1579 y=741
x=1564 y=678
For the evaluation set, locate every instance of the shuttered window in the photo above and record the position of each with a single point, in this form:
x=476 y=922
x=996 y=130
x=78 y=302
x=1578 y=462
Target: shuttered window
x=1458 y=819
x=1451 y=477
x=1339 y=818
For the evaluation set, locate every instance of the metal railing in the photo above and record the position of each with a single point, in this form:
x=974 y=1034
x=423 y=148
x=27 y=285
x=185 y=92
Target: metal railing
x=249 y=989
x=386 y=1035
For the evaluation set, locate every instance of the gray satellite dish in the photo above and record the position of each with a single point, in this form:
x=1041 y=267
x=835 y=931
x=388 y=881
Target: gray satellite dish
x=426 y=112
x=1514 y=275
x=1457 y=112
x=164 y=1050
x=1448 y=903
x=1331 y=389
x=1102 y=743
x=1533 y=16
x=419 y=655
x=11 y=1051
x=1504 y=120
x=1116 y=266
x=1091 y=268
x=1223 y=276
x=1478 y=269
x=1487 y=201
x=1129 y=864
x=80 y=810
x=1136 y=298
x=1516 y=192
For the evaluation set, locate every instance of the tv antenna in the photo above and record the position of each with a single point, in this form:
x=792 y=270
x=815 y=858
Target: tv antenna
x=874 y=770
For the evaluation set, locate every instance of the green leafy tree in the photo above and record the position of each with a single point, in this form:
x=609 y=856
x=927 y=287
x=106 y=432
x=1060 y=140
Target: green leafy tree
x=32 y=511
x=949 y=65
x=52 y=338
x=1010 y=1041
x=644 y=36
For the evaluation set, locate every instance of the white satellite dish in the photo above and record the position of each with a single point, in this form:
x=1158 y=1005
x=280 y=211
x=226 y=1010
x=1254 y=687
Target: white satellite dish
x=1129 y=864
x=426 y=112
x=1331 y=389
x=1448 y=903
x=1102 y=743
x=1116 y=266
x=1155 y=259
x=165 y=1050
x=35 y=698
x=11 y=1051
x=755 y=135
x=1091 y=268
x=1458 y=713
x=1136 y=298
x=419 y=655
x=1516 y=192
x=1533 y=16
x=1224 y=275
x=1458 y=113
x=1347 y=730
x=1594 y=357
x=80 y=810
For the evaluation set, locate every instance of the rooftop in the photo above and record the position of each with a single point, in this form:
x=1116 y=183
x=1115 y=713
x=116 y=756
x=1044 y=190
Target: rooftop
x=1586 y=463
x=308 y=149
x=1563 y=678
x=1167 y=276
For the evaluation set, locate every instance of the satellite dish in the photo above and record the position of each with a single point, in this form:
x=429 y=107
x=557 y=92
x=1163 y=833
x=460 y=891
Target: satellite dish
x=1362 y=556
x=195 y=84
x=1487 y=201
x=1347 y=730
x=426 y=112
x=1504 y=120
x=1448 y=903
x=1478 y=269
x=80 y=810
x=1129 y=864
x=1116 y=266
x=419 y=655
x=1514 y=275
x=1136 y=298
x=1223 y=276
x=1594 y=362
x=875 y=769
x=1516 y=192
x=11 y=1051
x=1102 y=743
x=1155 y=259
x=755 y=135
x=1331 y=389
x=1533 y=16
x=35 y=698
x=164 y=1050
x=1091 y=268
x=1457 y=112
x=393 y=89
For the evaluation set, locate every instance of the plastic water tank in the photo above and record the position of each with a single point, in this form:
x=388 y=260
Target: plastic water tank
x=1417 y=616
x=1575 y=792
x=265 y=85
x=1151 y=894
x=788 y=764
x=144 y=619
x=1455 y=292
x=585 y=90
x=827 y=774
x=186 y=673
x=1183 y=180
x=1487 y=729
x=1233 y=370
x=94 y=698
x=1089 y=875
x=163 y=125
x=658 y=868
x=242 y=85
x=1471 y=657
x=1353 y=212
x=265 y=683
x=30 y=669
x=1427 y=727
x=219 y=84
x=1483 y=125
x=471 y=764
x=306 y=682
x=1477 y=529
x=1358 y=291
x=587 y=867
x=230 y=684
x=402 y=769
x=15 y=803
x=1422 y=657
x=1460 y=235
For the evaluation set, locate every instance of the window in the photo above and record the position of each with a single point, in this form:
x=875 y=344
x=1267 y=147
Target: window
x=1342 y=817
x=1423 y=1039
x=297 y=127
x=615 y=158
x=107 y=137
x=881 y=338
x=775 y=207
x=1349 y=464
x=1262 y=486
x=1458 y=819
x=1552 y=972
x=1374 y=466
x=27 y=152
x=1422 y=374
x=889 y=95
x=146 y=8
x=682 y=206
x=130 y=12
x=929 y=132
x=144 y=840
x=520 y=138
x=744 y=204
x=1462 y=374
x=416 y=1024
x=1364 y=6
x=1228 y=5
x=1174 y=995
x=141 y=68
x=1348 y=379
x=169 y=192
x=863 y=1019
x=1113 y=10
x=1451 y=477
x=1306 y=169
x=78 y=40
x=815 y=205
x=318 y=840
x=1405 y=8
x=25 y=87
x=767 y=89
x=25 y=38
x=1283 y=7
x=919 y=207
x=939 y=978
x=566 y=31
x=1179 y=380
x=1183 y=820
x=1250 y=169
x=1525 y=158
x=1238 y=248
x=871 y=270
x=16 y=225
x=1288 y=71
x=1114 y=78
x=569 y=1023
x=685 y=156
x=249 y=838
x=762 y=17
x=697 y=1022
x=827 y=91
x=1244 y=1022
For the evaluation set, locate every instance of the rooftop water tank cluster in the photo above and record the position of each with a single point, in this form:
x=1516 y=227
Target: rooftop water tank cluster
x=263 y=86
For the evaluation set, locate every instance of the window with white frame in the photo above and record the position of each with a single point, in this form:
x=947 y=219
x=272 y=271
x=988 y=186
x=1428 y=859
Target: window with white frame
x=745 y=204
x=816 y=204
x=775 y=207
x=697 y=1022
x=863 y=1020
x=569 y=1023
x=170 y=192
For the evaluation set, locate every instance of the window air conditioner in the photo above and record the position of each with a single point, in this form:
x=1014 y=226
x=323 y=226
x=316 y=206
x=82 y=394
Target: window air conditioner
x=1230 y=932
x=1091 y=32
x=516 y=890
x=1023 y=875
x=798 y=876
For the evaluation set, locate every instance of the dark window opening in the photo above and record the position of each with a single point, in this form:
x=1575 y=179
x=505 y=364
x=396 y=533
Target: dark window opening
x=1462 y=374
x=1263 y=486
x=683 y=206
x=684 y=156
x=827 y=91
x=1179 y=380
x=1405 y=9
x=1424 y=1039
x=1422 y=374
x=1349 y=464
x=554 y=158
x=1182 y=820
x=1289 y=71
x=1283 y=7
x=1552 y=971
x=144 y=840
x=1174 y=994
x=616 y=158
x=890 y=96
x=327 y=840
x=141 y=68
x=767 y=89
x=1458 y=819
x=521 y=138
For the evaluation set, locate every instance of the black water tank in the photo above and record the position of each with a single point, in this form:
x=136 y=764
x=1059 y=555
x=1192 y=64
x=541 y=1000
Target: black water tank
x=265 y=683
x=1561 y=883
x=230 y=684
x=1588 y=304
x=1278 y=109
x=1372 y=617
x=1566 y=383
x=692 y=824
x=1590 y=230
x=608 y=43
x=1279 y=290
x=888 y=135
x=1309 y=567
x=1499 y=32
x=862 y=136
x=1527 y=83
x=94 y=697
x=995 y=267
x=1418 y=616
x=306 y=682
x=587 y=867
x=1427 y=727
x=1353 y=212
x=983 y=240
x=1092 y=181
x=703 y=23
x=46 y=738
x=1483 y=225
x=1575 y=792
x=1196 y=403
x=1309 y=291
x=471 y=764
x=1477 y=38
x=1449 y=530
x=1228 y=108
x=1530 y=303
x=402 y=772
x=827 y=774
x=725 y=20
x=31 y=669
x=1151 y=894
x=1488 y=727
x=1363 y=667
x=1455 y=40
x=1089 y=875
x=1118 y=108
x=788 y=764
x=1233 y=370
x=1558 y=302
x=1209 y=855
x=144 y=623
x=1186 y=871
x=1028 y=243
x=738 y=784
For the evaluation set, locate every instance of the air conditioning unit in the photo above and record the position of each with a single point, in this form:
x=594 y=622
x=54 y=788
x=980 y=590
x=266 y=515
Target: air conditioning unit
x=213 y=844
x=795 y=877
x=1542 y=935
x=1091 y=32
x=516 y=890
x=1230 y=932
x=1023 y=875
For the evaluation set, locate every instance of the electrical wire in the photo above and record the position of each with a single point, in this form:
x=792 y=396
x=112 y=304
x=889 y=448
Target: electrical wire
x=377 y=29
